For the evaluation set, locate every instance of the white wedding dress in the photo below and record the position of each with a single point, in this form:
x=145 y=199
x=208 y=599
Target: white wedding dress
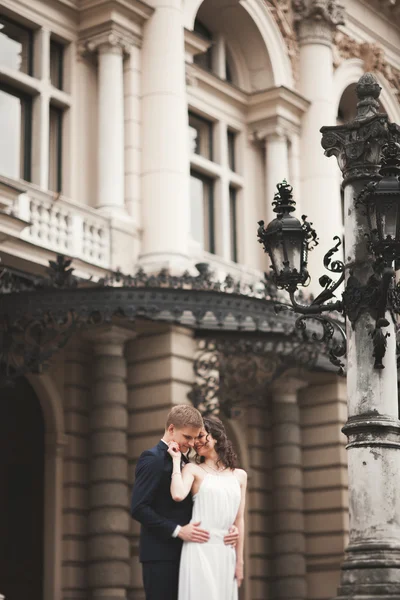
x=207 y=571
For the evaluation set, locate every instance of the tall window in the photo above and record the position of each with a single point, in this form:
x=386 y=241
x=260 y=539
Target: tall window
x=214 y=177
x=202 y=211
x=23 y=136
x=15 y=138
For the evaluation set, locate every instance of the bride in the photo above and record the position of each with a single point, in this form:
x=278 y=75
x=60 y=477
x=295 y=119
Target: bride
x=211 y=570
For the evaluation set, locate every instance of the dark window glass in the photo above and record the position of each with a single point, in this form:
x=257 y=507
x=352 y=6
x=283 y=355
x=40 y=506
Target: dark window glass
x=233 y=223
x=55 y=149
x=56 y=64
x=202 y=211
x=16 y=46
x=201 y=133
x=231 y=150
x=203 y=60
x=16 y=134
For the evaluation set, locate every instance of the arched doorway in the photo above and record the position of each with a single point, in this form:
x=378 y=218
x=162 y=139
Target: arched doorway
x=21 y=493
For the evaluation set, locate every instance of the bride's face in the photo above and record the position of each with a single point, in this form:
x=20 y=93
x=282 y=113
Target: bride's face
x=204 y=443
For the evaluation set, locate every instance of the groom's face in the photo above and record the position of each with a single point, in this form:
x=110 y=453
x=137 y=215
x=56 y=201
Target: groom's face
x=185 y=437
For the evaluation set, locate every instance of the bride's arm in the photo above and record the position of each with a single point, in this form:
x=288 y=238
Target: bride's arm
x=181 y=481
x=239 y=522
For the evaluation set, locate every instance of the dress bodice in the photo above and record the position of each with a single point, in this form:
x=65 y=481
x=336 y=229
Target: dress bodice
x=216 y=503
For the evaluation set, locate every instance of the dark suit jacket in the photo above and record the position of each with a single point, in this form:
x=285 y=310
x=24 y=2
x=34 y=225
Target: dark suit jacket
x=153 y=507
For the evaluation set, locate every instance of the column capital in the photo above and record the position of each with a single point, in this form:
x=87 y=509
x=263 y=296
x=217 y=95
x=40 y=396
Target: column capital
x=357 y=145
x=109 y=340
x=112 y=41
x=317 y=19
x=267 y=134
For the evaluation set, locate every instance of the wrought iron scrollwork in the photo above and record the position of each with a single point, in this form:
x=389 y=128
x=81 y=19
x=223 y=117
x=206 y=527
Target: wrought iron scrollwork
x=232 y=372
x=332 y=334
x=59 y=303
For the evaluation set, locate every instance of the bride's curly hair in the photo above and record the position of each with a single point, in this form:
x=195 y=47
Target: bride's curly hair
x=223 y=447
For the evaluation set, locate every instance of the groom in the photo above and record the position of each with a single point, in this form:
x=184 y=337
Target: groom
x=165 y=524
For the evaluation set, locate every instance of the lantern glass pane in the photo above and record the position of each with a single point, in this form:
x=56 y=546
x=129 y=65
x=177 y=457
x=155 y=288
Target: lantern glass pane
x=389 y=218
x=277 y=256
x=293 y=246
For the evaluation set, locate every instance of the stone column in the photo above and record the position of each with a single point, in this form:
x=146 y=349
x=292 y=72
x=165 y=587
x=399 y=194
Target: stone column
x=288 y=580
x=371 y=569
x=109 y=519
x=320 y=192
x=110 y=47
x=165 y=164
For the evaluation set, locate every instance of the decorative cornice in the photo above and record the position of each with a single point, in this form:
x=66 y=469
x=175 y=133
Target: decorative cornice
x=317 y=19
x=371 y=54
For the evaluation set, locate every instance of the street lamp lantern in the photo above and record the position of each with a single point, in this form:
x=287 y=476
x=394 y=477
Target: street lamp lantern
x=287 y=241
x=381 y=200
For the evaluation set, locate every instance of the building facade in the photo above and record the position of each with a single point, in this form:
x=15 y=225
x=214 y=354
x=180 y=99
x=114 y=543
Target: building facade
x=151 y=135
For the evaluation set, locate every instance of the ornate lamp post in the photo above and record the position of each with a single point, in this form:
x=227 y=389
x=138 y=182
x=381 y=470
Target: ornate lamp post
x=368 y=153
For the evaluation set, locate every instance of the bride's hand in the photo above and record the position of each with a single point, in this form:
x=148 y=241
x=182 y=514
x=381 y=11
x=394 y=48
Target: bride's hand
x=174 y=450
x=239 y=573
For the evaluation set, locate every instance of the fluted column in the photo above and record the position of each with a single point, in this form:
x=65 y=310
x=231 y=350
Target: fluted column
x=316 y=20
x=109 y=520
x=165 y=164
x=288 y=539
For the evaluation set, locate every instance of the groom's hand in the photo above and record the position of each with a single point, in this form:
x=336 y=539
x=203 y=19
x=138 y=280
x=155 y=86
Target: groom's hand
x=232 y=537
x=192 y=533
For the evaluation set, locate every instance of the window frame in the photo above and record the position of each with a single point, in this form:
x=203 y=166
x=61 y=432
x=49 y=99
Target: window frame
x=210 y=208
x=26 y=169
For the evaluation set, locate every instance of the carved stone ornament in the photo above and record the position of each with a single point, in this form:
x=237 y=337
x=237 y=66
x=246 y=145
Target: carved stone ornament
x=282 y=12
x=316 y=19
x=371 y=54
x=357 y=145
x=113 y=40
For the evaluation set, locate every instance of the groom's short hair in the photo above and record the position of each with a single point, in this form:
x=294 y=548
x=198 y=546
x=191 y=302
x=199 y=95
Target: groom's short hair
x=184 y=415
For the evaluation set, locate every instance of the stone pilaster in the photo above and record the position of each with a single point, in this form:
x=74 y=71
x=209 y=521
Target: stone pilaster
x=371 y=569
x=259 y=501
x=323 y=411
x=109 y=520
x=160 y=373
x=76 y=463
x=316 y=21
x=288 y=581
